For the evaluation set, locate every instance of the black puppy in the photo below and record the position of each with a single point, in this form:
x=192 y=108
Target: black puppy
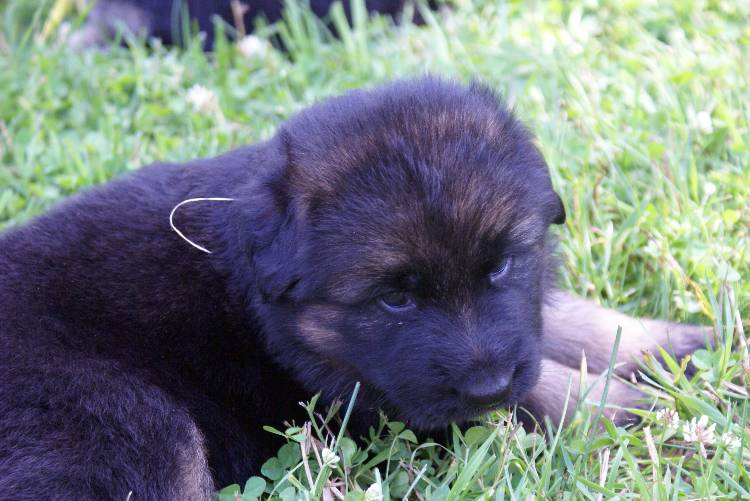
x=163 y=19
x=396 y=237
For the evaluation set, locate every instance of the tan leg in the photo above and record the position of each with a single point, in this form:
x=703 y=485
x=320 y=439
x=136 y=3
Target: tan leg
x=105 y=20
x=548 y=397
x=573 y=325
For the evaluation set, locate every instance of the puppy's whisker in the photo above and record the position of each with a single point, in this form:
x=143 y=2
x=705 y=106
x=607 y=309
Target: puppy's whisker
x=189 y=201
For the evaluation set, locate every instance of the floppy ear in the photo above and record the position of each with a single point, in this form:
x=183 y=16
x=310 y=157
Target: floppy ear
x=279 y=265
x=559 y=213
x=278 y=245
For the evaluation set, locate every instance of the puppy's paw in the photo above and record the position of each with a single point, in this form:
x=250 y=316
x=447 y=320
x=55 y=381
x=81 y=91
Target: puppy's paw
x=679 y=340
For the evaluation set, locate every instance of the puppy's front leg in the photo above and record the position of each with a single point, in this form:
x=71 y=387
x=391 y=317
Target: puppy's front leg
x=548 y=397
x=573 y=325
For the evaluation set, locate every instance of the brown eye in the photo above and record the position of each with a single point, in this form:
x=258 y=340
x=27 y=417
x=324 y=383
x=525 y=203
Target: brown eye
x=397 y=302
x=501 y=269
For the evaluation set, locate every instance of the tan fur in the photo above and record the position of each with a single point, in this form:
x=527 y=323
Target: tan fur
x=316 y=325
x=193 y=482
x=548 y=397
x=525 y=230
x=104 y=21
x=572 y=325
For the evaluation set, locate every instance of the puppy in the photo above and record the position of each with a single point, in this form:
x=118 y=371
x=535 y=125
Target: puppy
x=163 y=19
x=397 y=237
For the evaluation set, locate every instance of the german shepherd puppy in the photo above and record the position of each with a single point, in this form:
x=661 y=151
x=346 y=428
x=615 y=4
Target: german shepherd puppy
x=397 y=237
x=163 y=19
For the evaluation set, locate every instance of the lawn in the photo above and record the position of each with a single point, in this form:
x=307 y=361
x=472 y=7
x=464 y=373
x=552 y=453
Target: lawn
x=642 y=109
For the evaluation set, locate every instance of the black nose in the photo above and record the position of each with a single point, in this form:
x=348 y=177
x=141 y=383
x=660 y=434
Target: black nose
x=488 y=389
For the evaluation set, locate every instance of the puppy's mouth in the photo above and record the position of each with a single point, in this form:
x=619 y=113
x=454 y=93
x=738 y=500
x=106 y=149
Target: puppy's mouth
x=452 y=406
x=450 y=413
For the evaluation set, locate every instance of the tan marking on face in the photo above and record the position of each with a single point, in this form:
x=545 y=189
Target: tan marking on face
x=314 y=325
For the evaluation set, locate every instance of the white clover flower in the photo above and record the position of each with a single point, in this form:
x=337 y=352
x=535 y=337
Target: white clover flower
x=669 y=418
x=203 y=100
x=676 y=35
x=252 y=47
x=700 y=121
x=373 y=493
x=730 y=441
x=329 y=457
x=704 y=123
x=699 y=432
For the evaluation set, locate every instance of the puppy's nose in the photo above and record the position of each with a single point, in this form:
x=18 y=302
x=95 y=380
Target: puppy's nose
x=488 y=390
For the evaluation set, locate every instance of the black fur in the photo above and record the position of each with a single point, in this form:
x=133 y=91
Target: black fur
x=122 y=344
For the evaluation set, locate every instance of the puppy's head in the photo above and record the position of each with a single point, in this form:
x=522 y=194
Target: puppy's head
x=403 y=245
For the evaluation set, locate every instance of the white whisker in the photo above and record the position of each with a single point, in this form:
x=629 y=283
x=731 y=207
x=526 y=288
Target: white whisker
x=188 y=201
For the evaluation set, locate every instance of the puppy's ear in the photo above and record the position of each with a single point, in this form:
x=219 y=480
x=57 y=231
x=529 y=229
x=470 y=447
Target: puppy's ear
x=558 y=216
x=278 y=246
x=279 y=265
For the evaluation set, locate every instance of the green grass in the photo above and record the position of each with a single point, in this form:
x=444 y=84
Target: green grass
x=642 y=109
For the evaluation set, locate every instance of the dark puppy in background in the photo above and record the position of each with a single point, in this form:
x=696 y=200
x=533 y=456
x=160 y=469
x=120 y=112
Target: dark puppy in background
x=163 y=19
x=397 y=237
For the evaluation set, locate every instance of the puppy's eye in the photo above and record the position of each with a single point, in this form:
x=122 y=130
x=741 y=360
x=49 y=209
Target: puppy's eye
x=501 y=269
x=397 y=301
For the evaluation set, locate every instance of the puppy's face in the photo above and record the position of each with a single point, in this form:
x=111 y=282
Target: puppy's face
x=420 y=253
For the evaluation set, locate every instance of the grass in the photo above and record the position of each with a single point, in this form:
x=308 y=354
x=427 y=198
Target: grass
x=642 y=109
